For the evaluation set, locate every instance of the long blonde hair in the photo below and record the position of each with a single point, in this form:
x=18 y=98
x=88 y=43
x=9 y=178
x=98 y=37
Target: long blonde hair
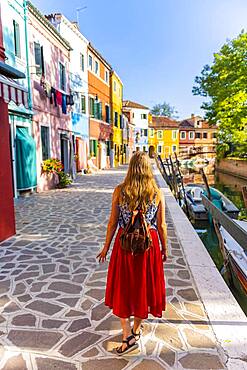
x=139 y=186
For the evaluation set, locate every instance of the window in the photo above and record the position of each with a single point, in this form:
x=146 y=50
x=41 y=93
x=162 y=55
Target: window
x=107 y=113
x=116 y=119
x=83 y=104
x=191 y=135
x=39 y=59
x=62 y=77
x=17 y=42
x=108 y=148
x=144 y=149
x=91 y=107
x=97 y=109
x=133 y=115
x=96 y=67
x=145 y=132
x=182 y=135
x=93 y=147
x=82 y=64
x=174 y=134
x=198 y=135
x=214 y=135
x=159 y=149
x=45 y=142
x=159 y=134
x=143 y=116
x=90 y=62
x=174 y=148
x=107 y=77
x=121 y=121
x=205 y=135
x=151 y=132
x=115 y=86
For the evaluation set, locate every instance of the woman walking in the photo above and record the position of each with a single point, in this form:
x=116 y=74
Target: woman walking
x=135 y=281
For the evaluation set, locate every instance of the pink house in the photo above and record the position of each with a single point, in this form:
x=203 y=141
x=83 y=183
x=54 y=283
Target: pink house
x=51 y=99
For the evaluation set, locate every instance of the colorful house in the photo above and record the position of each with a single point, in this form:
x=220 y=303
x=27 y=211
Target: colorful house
x=128 y=120
x=116 y=118
x=49 y=70
x=205 y=137
x=163 y=136
x=186 y=137
x=139 y=118
x=78 y=77
x=100 y=130
x=10 y=91
x=23 y=148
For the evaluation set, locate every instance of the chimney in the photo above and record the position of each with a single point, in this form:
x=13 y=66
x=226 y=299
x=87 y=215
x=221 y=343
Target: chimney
x=75 y=24
x=192 y=115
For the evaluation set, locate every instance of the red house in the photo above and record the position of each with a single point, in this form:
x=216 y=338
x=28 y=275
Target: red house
x=9 y=90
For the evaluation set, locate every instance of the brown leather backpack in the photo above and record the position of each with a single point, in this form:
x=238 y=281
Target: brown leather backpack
x=136 y=237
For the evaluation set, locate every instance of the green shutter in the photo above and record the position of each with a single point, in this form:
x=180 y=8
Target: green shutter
x=100 y=110
x=38 y=58
x=83 y=104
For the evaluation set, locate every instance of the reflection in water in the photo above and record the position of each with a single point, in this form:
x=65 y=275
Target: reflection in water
x=231 y=187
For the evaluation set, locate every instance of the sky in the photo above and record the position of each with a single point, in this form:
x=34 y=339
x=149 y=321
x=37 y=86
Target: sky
x=157 y=47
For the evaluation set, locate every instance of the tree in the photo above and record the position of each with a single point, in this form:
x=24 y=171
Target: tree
x=224 y=83
x=164 y=109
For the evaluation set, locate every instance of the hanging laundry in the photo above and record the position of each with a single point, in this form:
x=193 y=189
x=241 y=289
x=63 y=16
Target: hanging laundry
x=48 y=90
x=64 y=107
x=53 y=96
x=59 y=97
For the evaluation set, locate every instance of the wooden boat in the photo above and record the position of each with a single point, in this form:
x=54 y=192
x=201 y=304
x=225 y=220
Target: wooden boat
x=197 y=211
x=237 y=256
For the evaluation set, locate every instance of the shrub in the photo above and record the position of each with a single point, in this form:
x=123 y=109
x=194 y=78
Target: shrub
x=64 y=180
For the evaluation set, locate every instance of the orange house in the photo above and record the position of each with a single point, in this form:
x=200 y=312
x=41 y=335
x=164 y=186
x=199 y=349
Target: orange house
x=100 y=130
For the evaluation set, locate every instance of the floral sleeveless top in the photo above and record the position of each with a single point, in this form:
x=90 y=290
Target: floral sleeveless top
x=150 y=215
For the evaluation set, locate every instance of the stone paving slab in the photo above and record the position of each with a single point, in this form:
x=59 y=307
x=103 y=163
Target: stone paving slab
x=52 y=313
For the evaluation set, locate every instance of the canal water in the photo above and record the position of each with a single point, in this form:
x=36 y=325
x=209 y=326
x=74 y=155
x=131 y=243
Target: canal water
x=231 y=187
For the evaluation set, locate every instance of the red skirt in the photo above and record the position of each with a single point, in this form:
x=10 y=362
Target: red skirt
x=136 y=284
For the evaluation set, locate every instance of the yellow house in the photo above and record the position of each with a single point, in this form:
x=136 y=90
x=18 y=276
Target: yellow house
x=116 y=117
x=163 y=136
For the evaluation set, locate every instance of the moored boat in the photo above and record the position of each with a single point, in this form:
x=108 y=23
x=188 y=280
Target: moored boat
x=196 y=209
x=237 y=256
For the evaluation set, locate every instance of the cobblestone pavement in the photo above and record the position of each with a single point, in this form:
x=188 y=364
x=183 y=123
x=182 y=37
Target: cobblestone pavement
x=52 y=313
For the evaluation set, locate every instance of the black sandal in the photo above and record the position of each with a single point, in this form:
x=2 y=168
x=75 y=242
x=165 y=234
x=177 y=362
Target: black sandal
x=138 y=335
x=129 y=348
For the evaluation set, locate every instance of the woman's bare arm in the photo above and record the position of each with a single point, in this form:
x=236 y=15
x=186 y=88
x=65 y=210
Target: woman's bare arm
x=112 y=225
x=161 y=223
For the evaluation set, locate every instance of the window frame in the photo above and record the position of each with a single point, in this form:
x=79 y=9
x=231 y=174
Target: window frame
x=39 y=68
x=82 y=62
x=203 y=135
x=193 y=135
x=158 y=134
x=62 y=81
x=174 y=134
x=182 y=132
x=17 y=38
x=159 y=146
x=96 y=70
x=151 y=133
x=47 y=129
x=83 y=98
x=90 y=65
x=174 y=146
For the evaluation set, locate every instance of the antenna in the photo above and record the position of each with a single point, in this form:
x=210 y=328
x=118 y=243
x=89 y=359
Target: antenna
x=78 y=10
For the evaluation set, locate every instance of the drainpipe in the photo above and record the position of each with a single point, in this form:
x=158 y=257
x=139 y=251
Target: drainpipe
x=27 y=55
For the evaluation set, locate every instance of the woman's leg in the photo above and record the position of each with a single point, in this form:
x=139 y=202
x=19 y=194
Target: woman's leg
x=125 y=324
x=137 y=325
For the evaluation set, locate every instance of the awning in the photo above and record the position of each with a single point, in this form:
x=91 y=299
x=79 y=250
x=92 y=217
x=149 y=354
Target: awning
x=12 y=91
x=8 y=71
